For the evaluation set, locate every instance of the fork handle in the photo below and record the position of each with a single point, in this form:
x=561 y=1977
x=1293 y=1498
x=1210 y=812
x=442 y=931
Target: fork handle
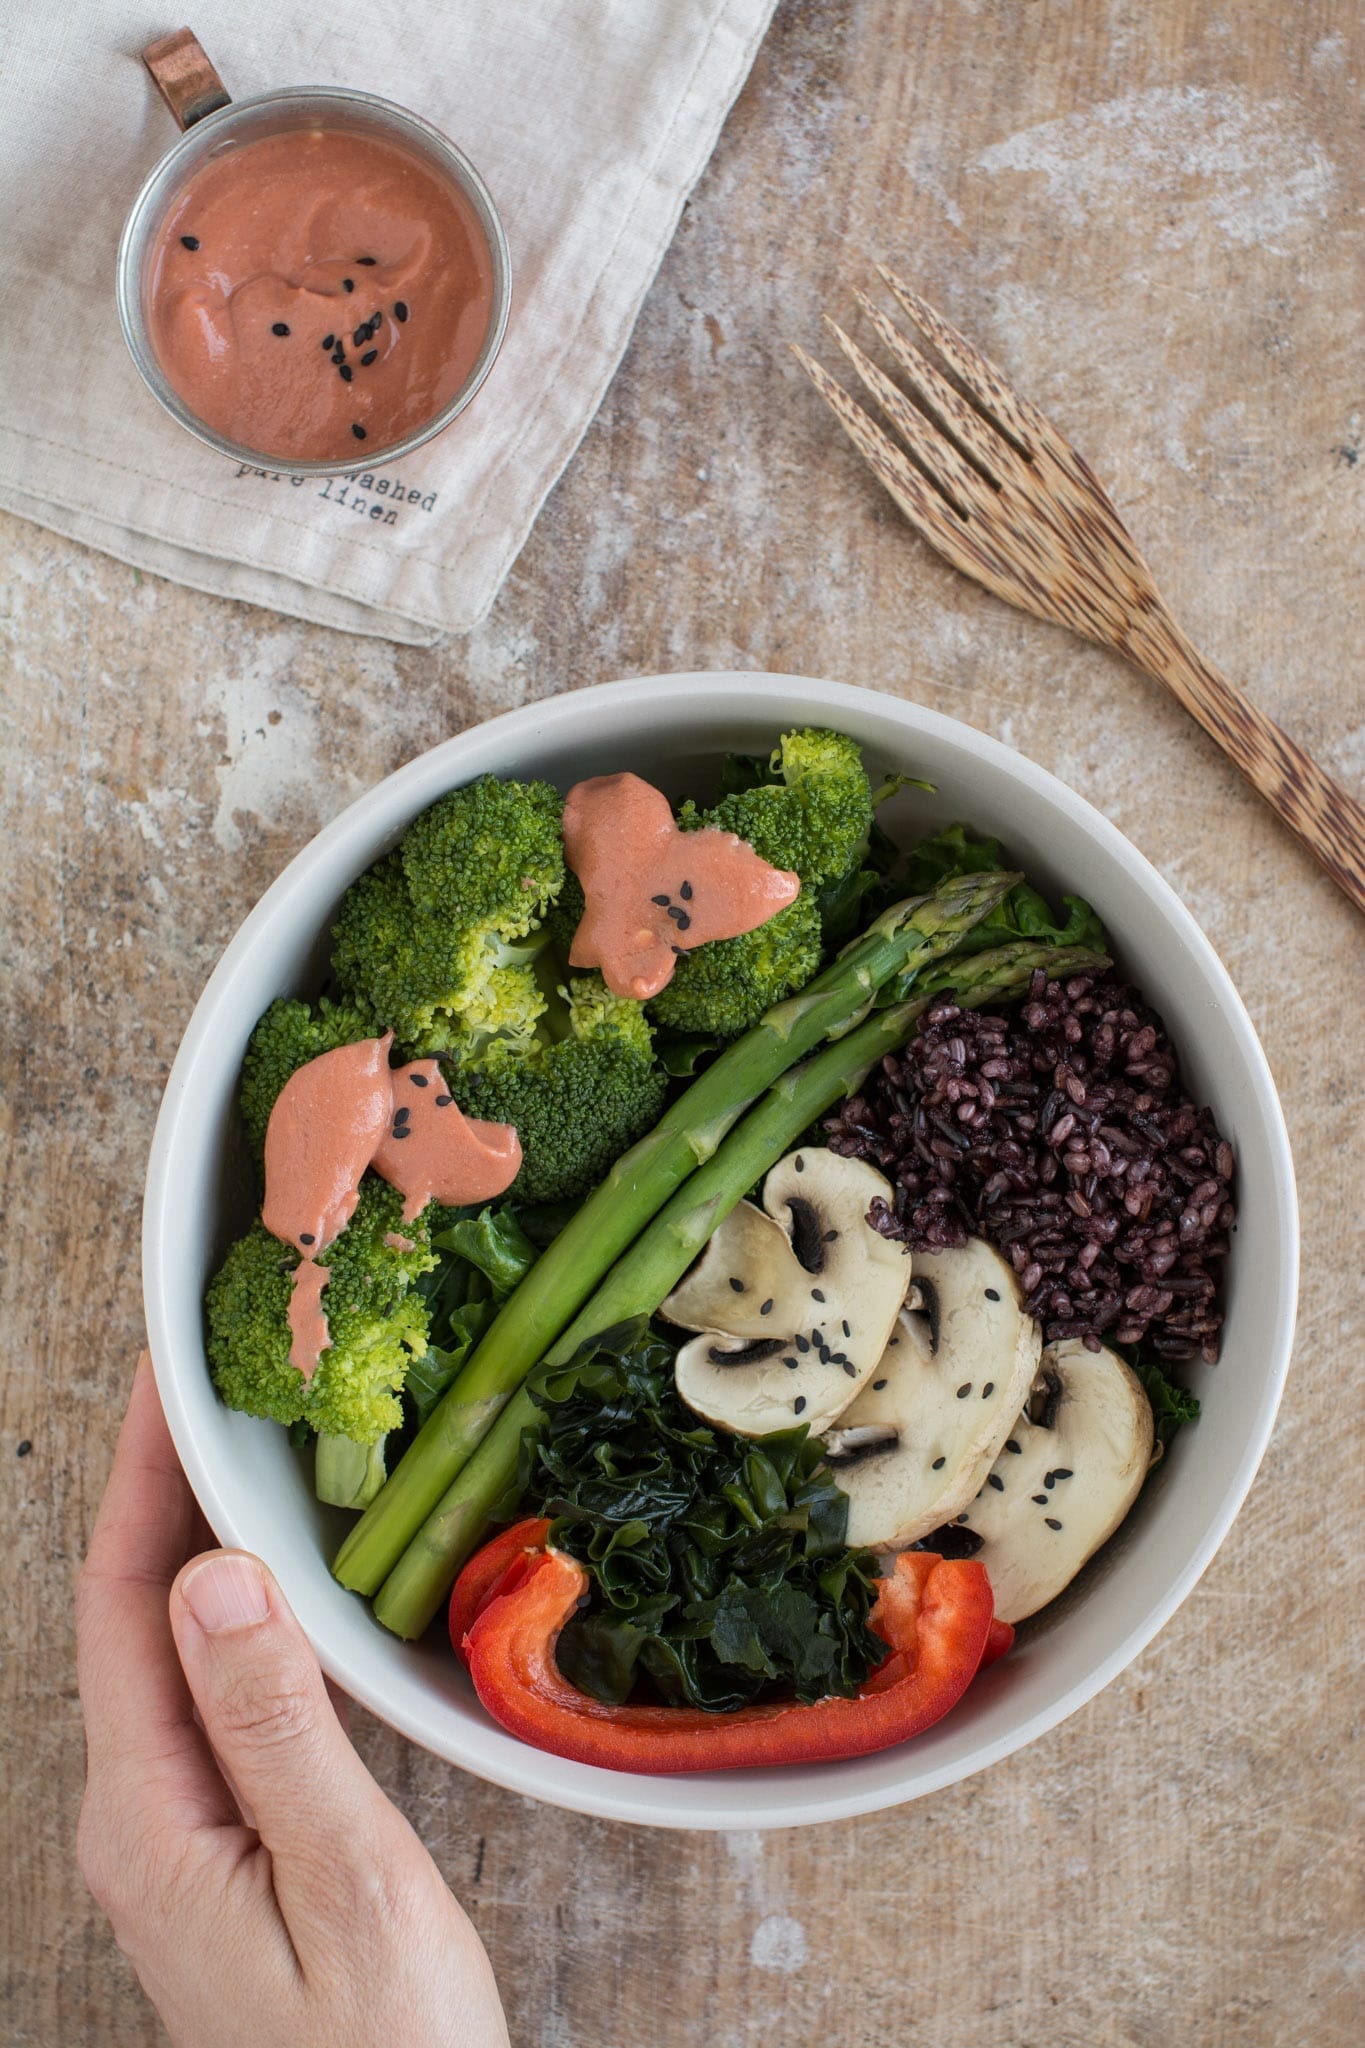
x=1330 y=822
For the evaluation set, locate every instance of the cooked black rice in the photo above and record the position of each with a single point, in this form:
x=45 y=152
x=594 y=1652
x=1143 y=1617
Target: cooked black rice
x=1058 y=1130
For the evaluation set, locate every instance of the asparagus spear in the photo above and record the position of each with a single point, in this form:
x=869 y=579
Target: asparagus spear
x=638 y=1282
x=641 y=1181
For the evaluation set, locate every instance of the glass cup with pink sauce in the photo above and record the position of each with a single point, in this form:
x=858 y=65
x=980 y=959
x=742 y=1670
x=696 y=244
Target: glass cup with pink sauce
x=309 y=279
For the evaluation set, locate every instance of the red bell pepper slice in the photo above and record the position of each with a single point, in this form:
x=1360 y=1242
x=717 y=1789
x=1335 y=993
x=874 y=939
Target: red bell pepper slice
x=999 y=1643
x=934 y=1614
x=499 y=1567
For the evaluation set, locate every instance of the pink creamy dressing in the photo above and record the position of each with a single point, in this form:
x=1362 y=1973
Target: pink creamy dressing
x=434 y=1152
x=652 y=891
x=327 y=1121
x=348 y=1110
x=307 y=1317
x=319 y=293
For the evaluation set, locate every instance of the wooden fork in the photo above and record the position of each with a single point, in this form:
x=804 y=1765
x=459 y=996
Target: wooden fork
x=995 y=488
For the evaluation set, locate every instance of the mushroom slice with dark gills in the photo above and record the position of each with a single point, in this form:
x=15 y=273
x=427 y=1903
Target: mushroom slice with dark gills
x=1070 y=1470
x=914 y=1447
x=794 y=1301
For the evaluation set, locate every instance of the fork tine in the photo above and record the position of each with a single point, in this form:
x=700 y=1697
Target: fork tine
x=977 y=436
x=1015 y=417
x=989 y=386
x=947 y=467
x=968 y=549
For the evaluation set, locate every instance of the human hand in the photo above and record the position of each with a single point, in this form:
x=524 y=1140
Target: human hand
x=264 y=1888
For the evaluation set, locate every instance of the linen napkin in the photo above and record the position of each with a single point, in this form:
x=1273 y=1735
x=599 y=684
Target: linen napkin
x=590 y=121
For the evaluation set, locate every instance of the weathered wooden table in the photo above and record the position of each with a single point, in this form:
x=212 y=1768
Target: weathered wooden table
x=1150 y=215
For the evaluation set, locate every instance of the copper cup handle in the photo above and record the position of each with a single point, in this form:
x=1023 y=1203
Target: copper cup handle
x=185 y=78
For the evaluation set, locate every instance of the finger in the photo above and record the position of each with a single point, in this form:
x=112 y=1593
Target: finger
x=266 y=1711
x=148 y=1762
x=341 y=1705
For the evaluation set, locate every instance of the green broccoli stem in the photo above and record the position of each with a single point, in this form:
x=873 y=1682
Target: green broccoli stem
x=907 y=936
x=639 y=1281
x=347 y=1474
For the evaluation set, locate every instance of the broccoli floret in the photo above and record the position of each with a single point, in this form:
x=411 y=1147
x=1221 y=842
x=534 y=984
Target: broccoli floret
x=726 y=986
x=585 y=1089
x=429 y=936
x=815 y=819
x=376 y=1319
x=287 y=1037
x=565 y=914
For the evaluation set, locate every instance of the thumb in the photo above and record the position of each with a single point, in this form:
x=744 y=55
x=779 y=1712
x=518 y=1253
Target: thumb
x=265 y=1709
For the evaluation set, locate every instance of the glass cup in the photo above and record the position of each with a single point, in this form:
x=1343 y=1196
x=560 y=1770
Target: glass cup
x=212 y=121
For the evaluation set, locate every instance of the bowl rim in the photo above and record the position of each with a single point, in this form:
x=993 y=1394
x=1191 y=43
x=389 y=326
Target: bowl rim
x=625 y=1797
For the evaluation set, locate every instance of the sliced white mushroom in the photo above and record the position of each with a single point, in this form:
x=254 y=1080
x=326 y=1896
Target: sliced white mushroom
x=1070 y=1470
x=794 y=1301
x=920 y=1438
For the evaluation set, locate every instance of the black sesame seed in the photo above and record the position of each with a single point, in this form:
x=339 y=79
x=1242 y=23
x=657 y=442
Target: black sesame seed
x=401 y=1131
x=444 y=1101
x=662 y=901
x=830 y=1236
x=400 y=311
x=280 y=327
x=329 y=341
x=738 y=1285
x=1062 y=1472
x=419 y=1080
x=938 y=1464
x=824 y=1354
x=799 y=1163
x=686 y=892
x=679 y=950
x=1050 y=1481
x=846 y=1330
x=400 y=1116
x=678 y=916
x=818 y=1337
x=790 y=1364
x=684 y=921
x=816 y=1295
x=368 y=261
x=345 y=373
x=803 y=1344
x=799 y=1404
x=994 y=1479
x=189 y=241
x=767 y=1307
x=338 y=354
x=964 y=1390
x=307 y=1237
x=22 y=1448
x=348 y=284
x=1011 y=1445
x=361 y=335
x=961 y=1518
x=357 y=430
x=1052 y=1521
x=988 y=1390
x=877 y=1386
x=1040 y=1498
x=991 y=1294
x=851 y=1370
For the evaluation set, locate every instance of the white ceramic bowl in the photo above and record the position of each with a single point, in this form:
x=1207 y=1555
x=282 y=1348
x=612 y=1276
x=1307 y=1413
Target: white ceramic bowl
x=672 y=729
